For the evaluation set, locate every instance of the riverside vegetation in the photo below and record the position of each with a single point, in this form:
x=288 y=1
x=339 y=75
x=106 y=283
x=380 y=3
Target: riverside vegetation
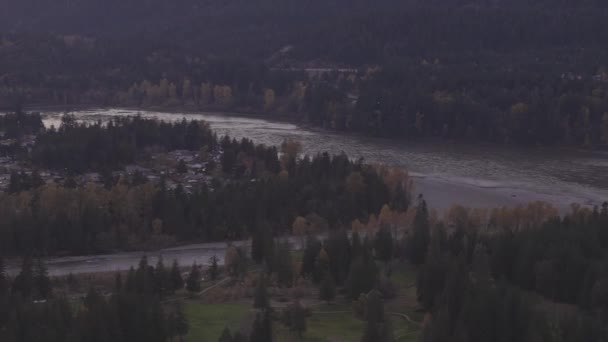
x=388 y=268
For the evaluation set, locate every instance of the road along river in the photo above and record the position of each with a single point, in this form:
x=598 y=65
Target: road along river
x=472 y=175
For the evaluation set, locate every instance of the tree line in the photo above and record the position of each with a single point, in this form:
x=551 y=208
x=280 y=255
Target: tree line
x=514 y=274
x=477 y=281
x=500 y=71
x=31 y=311
x=252 y=191
x=80 y=147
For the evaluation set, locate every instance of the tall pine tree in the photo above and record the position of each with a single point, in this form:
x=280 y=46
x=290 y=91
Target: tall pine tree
x=42 y=281
x=327 y=290
x=417 y=243
x=177 y=282
x=193 y=283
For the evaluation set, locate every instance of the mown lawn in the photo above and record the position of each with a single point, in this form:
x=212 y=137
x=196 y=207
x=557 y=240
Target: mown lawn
x=404 y=274
x=328 y=323
x=326 y=326
x=337 y=324
x=334 y=323
x=207 y=321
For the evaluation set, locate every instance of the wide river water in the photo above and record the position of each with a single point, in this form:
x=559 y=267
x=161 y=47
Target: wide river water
x=472 y=175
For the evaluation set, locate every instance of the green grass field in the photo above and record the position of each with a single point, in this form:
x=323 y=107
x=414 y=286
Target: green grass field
x=207 y=321
x=336 y=323
x=328 y=323
x=342 y=327
x=404 y=274
x=322 y=327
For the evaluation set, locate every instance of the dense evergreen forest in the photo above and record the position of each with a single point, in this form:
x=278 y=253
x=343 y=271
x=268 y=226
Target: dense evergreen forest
x=251 y=188
x=81 y=147
x=522 y=274
x=477 y=284
x=31 y=310
x=502 y=71
x=511 y=274
x=517 y=72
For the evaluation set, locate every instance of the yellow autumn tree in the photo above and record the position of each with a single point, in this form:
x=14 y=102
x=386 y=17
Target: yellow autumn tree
x=299 y=90
x=357 y=226
x=457 y=216
x=163 y=88
x=269 y=99
x=296 y=98
x=372 y=225
x=227 y=95
x=222 y=94
x=290 y=149
x=206 y=93
x=172 y=91
x=186 y=90
x=397 y=179
x=232 y=259
x=386 y=215
x=355 y=183
x=172 y=99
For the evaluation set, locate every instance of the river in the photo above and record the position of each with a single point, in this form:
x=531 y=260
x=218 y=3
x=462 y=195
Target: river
x=474 y=175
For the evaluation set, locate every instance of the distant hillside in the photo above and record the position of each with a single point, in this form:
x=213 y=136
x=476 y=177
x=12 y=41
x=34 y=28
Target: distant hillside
x=517 y=71
x=349 y=31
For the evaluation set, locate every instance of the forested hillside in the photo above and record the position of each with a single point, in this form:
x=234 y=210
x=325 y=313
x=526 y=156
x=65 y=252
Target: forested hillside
x=501 y=71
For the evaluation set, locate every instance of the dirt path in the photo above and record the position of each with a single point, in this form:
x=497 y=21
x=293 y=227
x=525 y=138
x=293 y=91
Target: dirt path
x=398 y=314
x=202 y=292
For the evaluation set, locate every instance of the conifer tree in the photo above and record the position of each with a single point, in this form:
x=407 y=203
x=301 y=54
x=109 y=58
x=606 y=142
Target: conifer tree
x=383 y=244
x=42 y=281
x=182 y=167
x=214 y=270
x=177 y=282
x=284 y=266
x=362 y=277
x=261 y=300
x=311 y=251
x=262 y=328
x=24 y=283
x=181 y=323
x=193 y=283
x=297 y=315
x=226 y=335
x=144 y=277
x=118 y=286
x=161 y=277
x=321 y=265
x=417 y=243
x=130 y=286
x=378 y=327
x=327 y=290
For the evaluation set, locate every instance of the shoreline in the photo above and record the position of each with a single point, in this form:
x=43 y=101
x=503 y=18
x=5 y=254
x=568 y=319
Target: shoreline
x=442 y=193
x=287 y=118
